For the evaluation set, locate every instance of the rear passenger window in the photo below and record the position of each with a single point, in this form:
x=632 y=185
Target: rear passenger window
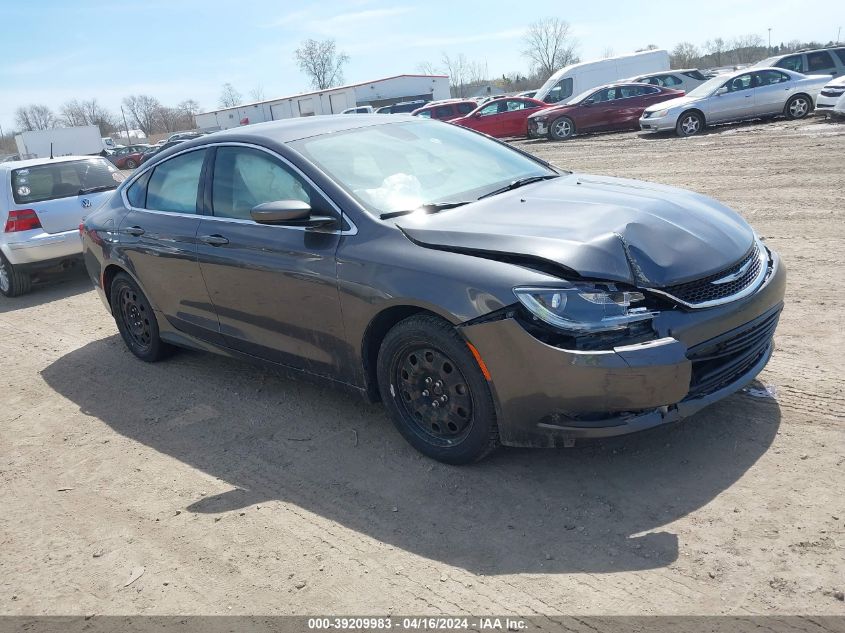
x=137 y=192
x=245 y=178
x=175 y=183
x=820 y=60
x=793 y=63
x=840 y=53
x=441 y=112
x=671 y=80
x=466 y=108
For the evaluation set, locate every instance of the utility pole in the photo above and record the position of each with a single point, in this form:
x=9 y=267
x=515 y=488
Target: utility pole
x=770 y=40
x=123 y=114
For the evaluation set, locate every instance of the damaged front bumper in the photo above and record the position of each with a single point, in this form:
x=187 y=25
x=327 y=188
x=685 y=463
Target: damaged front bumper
x=547 y=396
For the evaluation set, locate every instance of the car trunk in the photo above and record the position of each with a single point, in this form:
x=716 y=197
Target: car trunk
x=62 y=193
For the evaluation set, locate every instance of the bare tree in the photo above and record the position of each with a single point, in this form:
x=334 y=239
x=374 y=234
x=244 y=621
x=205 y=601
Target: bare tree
x=189 y=107
x=35 y=117
x=95 y=114
x=145 y=111
x=229 y=97
x=428 y=68
x=716 y=47
x=73 y=114
x=607 y=52
x=747 y=48
x=549 y=46
x=650 y=47
x=257 y=94
x=321 y=61
x=458 y=70
x=683 y=55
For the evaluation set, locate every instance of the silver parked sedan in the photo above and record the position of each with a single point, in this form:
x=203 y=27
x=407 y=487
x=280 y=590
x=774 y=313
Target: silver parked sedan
x=745 y=94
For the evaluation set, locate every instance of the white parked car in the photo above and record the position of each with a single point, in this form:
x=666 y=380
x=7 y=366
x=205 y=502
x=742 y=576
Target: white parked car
x=832 y=93
x=359 y=110
x=42 y=202
x=741 y=95
x=685 y=79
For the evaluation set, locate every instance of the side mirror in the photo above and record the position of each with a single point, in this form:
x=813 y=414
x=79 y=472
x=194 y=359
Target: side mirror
x=477 y=115
x=589 y=102
x=290 y=213
x=721 y=91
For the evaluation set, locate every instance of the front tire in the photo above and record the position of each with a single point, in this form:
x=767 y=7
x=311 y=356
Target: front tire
x=561 y=129
x=798 y=107
x=689 y=124
x=435 y=392
x=136 y=320
x=13 y=282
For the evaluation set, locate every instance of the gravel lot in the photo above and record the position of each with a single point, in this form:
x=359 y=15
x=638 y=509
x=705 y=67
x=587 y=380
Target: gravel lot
x=234 y=490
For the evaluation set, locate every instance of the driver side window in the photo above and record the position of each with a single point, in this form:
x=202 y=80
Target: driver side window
x=245 y=177
x=743 y=82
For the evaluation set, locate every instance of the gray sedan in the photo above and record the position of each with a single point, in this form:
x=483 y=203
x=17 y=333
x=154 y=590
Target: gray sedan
x=745 y=94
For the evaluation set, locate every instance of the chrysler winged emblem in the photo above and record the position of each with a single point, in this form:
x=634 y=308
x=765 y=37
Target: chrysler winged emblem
x=734 y=276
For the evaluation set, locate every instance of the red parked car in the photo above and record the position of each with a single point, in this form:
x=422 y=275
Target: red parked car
x=611 y=107
x=502 y=117
x=446 y=111
x=128 y=157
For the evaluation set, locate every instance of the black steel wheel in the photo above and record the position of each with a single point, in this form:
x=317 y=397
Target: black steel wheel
x=435 y=391
x=136 y=320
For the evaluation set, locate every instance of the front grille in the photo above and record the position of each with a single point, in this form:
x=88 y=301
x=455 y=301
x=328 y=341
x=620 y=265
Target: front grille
x=704 y=290
x=722 y=360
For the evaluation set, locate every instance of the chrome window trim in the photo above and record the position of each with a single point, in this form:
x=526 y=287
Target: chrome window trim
x=353 y=230
x=762 y=255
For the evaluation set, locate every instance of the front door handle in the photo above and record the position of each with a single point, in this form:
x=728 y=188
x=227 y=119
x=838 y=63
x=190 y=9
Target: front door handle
x=134 y=230
x=214 y=240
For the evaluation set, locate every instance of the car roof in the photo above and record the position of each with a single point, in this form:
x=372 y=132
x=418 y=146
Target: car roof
x=288 y=130
x=35 y=162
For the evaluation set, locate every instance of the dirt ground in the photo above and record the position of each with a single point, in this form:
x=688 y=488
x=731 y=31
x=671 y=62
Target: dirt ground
x=233 y=490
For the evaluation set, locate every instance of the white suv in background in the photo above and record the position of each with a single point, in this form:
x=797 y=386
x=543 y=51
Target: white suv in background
x=42 y=202
x=685 y=79
x=830 y=95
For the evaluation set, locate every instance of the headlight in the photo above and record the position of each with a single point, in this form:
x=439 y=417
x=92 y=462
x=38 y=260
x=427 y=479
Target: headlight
x=659 y=114
x=538 y=119
x=585 y=307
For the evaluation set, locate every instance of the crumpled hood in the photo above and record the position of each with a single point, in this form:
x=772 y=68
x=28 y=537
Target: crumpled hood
x=613 y=229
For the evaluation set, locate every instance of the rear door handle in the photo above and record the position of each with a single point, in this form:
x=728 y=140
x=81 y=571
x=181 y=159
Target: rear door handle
x=134 y=230
x=214 y=240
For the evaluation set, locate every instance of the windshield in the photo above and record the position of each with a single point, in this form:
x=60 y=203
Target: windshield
x=403 y=166
x=708 y=86
x=581 y=97
x=63 y=179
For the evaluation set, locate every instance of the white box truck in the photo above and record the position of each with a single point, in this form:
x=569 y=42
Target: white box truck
x=65 y=141
x=574 y=79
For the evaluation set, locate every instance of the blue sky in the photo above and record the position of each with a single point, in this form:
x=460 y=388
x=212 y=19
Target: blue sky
x=55 y=50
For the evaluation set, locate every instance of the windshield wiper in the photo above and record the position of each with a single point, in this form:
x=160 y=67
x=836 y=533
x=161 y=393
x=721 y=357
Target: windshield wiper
x=516 y=184
x=88 y=190
x=431 y=207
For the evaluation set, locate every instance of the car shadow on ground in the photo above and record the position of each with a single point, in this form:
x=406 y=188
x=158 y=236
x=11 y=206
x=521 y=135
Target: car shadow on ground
x=601 y=507
x=48 y=287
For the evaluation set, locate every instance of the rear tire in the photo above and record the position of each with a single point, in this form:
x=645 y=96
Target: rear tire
x=131 y=164
x=689 y=124
x=435 y=392
x=561 y=129
x=13 y=281
x=136 y=320
x=798 y=107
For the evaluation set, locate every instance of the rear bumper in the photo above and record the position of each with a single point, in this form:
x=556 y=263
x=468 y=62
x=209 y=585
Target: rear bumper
x=548 y=396
x=42 y=247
